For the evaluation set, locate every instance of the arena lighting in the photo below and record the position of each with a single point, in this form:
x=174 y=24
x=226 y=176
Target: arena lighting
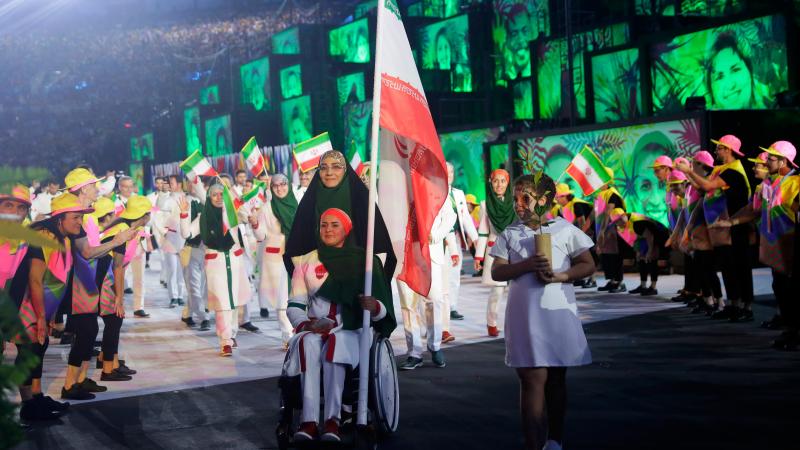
x=697 y=103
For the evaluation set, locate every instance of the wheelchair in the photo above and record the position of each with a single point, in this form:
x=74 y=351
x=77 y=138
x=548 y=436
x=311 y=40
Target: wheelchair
x=383 y=403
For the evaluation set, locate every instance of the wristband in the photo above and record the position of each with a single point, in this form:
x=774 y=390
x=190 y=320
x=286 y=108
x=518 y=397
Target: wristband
x=184 y=215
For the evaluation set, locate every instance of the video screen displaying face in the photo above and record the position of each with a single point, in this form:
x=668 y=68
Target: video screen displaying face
x=291 y=82
x=439 y=8
x=296 y=119
x=209 y=95
x=552 y=69
x=516 y=24
x=703 y=8
x=219 y=140
x=737 y=66
x=629 y=151
x=142 y=148
x=350 y=88
x=137 y=173
x=445 y=46
x=287 y=42
x=617 y=85
x=255 y=84
x=464 y=150
x=350 y=43
x=191 y=130
x=357 y=126
x=523 y=100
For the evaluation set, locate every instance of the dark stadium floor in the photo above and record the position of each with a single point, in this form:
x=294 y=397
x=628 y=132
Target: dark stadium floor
x=666 y=380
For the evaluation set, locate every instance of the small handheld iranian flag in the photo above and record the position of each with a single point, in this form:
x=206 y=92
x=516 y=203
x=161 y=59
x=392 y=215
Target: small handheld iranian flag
x=229 y=207
x=587 y=169
x=308 y=153
x=252 y=157
x=197 y=165
x=356 y=162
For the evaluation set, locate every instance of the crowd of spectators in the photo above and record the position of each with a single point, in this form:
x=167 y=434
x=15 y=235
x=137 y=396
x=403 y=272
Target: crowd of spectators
x=70 y=91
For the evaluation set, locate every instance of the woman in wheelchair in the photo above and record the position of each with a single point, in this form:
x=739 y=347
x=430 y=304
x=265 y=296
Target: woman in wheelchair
x=326 y=308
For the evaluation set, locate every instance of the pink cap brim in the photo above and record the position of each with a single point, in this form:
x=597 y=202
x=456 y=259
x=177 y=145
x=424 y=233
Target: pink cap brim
x=79 y=209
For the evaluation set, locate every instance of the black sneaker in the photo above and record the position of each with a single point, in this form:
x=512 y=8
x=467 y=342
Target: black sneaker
x=205 y=325
x=140 y=313
x=35 y=410
x=89 y=385
x=702 y=308
x=76 y=393
x=647 y=292
x=264 y=313
x=189 y=321
x=618 y=288
x=173 y=303
x=114 y=376
x=741 y=315
x=588 y=284
x=577 y=283
x=638 y=290
x=607 y=287
x=51 y=404
x=250 y=327
x=437 y=358
x=773 y=324
x=125 y=370
x=128 y=291
x=180 y=302
x=410 y=363
x=454 y=315
x=725 y=313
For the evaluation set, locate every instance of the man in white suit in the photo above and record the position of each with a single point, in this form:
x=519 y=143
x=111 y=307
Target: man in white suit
x=434 y=303
x=463 y=235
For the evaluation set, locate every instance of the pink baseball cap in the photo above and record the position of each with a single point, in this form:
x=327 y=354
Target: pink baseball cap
x=784 y=149
x=680 y=159
x=704 y=158
x=676 y=177
x=760 y=159
x=662 y=161
x=730 y=141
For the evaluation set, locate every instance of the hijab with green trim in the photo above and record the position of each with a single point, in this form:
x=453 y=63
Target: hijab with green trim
x=501 y=211
x=211 y=224
x=284 y=208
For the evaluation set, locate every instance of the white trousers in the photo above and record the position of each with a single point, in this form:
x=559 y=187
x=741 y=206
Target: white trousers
x=433 y=306
x=163 y=275
x=452 y=287
x=194 y=274
x=332 y=380
x=175 y=283
x=273 y=290
x=227 y=326
x=495 y=295
x=137 y=273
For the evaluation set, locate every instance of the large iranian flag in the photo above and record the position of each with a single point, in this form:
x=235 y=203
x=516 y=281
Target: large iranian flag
x=253 y=158
x=197 y=165
x=411 y=162
x=587 y=169
x=308 y=153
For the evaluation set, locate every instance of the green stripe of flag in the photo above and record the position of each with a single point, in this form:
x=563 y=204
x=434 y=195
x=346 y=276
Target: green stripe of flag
x=311 y=143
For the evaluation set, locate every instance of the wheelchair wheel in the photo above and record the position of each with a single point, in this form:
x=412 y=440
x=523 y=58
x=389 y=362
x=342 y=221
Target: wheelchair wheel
x=384 y=390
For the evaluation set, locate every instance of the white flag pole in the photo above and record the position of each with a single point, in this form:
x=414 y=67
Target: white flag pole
x=366 y=331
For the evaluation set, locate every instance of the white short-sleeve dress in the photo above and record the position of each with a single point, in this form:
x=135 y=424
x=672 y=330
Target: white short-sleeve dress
x=542 y=326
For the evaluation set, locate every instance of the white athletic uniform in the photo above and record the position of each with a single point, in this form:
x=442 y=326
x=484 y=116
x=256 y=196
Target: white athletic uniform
x=487 y=235
x=228 y=286
x=464 y=231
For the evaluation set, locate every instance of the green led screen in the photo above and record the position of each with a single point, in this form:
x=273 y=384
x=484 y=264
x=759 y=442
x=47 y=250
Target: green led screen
x=350 y=43
x=137 y=173
x=287 y=42
x=363 y=8
x=191 y=129
x=464 y=150
x=445 y=46
x=218 y=136
x=523 y=99
x=296 y=119
x=516 y=24
x=705 y=8
x=617 y=86
x=142 y=147
x=552 y=69
x=629 y=151
x=498 y=156
x=439 y=8
x=356 y=129
x=737 y=66
x=291 y=81
x=350 y=88
x=209 y=95
x=255 y=84
x=415 y=9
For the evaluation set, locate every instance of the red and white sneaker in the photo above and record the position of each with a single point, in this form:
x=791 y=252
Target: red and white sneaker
x=447 y=337
x=226 y=351
x=307 y=432
x=331 y=433
x=493 y=331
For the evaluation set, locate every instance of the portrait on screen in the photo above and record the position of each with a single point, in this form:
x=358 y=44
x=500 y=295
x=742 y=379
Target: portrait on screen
x=516 y=24
x=445 y=46
x=350 y=88
x=255 y=84
x=357 y=122
x=523 y=100
x=287 y=42
x=137 y=173
x=351 y=43
x=191 y=129
x=291 y=81
x=142 y=147
x=464 y=150
x=209 y=95
x=617 y=86
x=296 y=119
x=735 y=66
x=218 y=136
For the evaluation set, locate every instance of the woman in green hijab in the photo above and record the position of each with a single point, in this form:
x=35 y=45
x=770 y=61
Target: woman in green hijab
x=226 y=272
x=326 y=309
x=270 y=225
x=497 y=212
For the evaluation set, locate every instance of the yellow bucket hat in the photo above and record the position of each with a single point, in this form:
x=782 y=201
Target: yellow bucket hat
x=78 y=178
x=65 y=203
x=137 y=207
x=471 y=199
x=103 y=206
x=562 y=189
x=16 y=192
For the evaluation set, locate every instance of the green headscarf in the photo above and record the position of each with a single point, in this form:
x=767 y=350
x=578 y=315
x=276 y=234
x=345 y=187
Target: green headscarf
x=345 y=283
x=211 y=226
x=501 y=211
x=335 y=197
x=284 y=209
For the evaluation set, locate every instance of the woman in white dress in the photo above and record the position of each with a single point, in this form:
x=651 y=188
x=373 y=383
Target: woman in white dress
x=497 y=212
x=543 y=332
